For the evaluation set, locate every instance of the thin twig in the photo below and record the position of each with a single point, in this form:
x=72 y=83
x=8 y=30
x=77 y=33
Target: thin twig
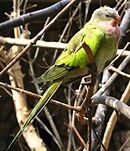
x=39 y=96
x=70 y=134
x=113 y=77
x=119 y=55
x=49 y=132
x=79 y=137
x=41 y=39
x=119 y=72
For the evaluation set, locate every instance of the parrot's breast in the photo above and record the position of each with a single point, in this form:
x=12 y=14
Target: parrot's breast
x=106 y=52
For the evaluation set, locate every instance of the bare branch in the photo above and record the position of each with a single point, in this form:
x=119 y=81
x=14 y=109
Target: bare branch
x=63 y=105
x=39 y=43
x=114 y=103
x=119 y=72
x=45 y=44
x=33 y=16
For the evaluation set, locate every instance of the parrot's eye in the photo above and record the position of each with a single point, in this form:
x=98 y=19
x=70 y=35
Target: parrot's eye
x=107 y=15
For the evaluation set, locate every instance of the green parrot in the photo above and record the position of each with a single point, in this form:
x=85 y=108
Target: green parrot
x=101 y=35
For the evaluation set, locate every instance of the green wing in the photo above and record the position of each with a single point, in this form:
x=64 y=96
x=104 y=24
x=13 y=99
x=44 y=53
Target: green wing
x=52 y=74
x=72 y=58
x=92 y=36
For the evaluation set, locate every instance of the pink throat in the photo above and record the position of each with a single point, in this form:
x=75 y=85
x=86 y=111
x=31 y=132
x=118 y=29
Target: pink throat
x=111 y=27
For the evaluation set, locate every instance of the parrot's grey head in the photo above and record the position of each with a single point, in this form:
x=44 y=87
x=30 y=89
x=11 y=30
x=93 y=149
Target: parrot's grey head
x=106 y=14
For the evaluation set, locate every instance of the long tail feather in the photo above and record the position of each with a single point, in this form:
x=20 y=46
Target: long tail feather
x=37 y=109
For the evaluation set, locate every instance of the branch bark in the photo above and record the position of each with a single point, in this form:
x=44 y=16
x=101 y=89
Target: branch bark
x=33 y=16
x=114 y=103
x=45 y=44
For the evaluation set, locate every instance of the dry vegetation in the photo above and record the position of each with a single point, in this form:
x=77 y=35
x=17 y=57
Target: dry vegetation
x=28 y=50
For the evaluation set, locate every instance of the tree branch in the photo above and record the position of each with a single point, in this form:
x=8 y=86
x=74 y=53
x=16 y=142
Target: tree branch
x=114 y=103
x=33 y=16
x=22 y=91
x=45 y=44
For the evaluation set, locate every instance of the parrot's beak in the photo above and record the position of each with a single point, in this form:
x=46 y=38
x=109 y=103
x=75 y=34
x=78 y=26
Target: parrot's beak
x=117 y=19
